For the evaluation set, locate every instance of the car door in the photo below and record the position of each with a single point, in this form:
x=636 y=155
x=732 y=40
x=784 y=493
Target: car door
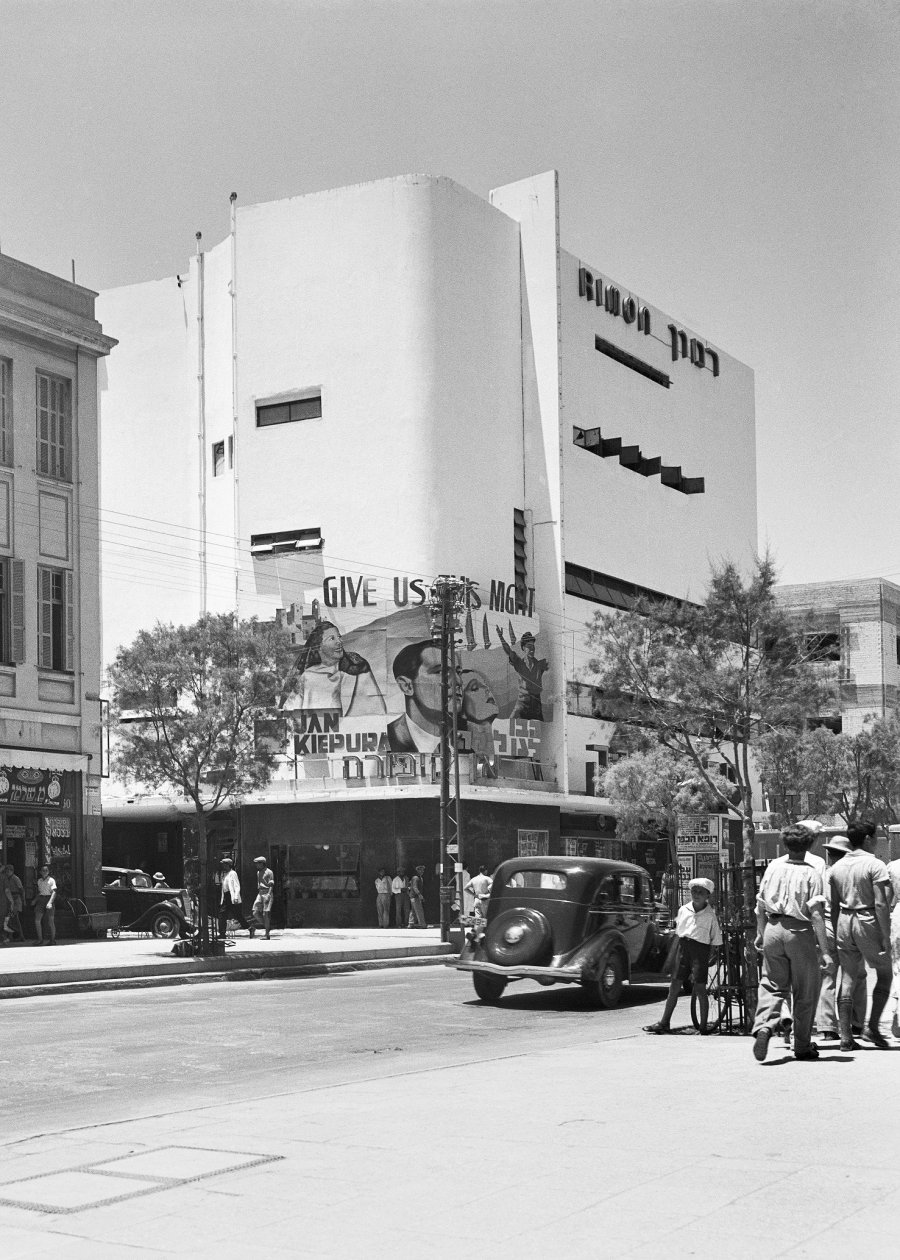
x=631 y=914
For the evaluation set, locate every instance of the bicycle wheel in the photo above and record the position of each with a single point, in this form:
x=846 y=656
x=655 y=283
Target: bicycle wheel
x=714 y=987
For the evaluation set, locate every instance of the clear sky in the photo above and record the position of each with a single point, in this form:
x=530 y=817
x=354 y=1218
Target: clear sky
x=733 y=161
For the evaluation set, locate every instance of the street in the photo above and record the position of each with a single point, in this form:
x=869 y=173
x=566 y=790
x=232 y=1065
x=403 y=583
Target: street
x=391 y=1114
x=183 y=1047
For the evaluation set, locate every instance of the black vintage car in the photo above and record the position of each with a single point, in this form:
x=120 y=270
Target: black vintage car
x=165 y=912
x=557 y=920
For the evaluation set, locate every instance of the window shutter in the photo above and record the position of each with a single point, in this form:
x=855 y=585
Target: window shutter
x=17 y=610
x=69 y=623
x=45 y=618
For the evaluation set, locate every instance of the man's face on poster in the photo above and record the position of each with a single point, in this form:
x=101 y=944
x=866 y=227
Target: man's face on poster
x=423 y=690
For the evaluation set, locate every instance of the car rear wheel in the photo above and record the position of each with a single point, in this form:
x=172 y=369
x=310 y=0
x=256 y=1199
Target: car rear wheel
x=605 y=986
x=166 y=925
x=518 y=936
x=489 y=988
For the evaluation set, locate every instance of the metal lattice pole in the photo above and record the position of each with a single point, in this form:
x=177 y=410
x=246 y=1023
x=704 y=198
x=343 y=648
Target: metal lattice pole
x=449 y=596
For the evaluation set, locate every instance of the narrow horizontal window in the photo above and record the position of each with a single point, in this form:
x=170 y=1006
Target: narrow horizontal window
x=286 y=540
x=289 y=412
x=631 y=361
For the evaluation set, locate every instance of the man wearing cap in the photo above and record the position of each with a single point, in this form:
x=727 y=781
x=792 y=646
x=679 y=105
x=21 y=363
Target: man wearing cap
x=790 y=923
x=826 y=1012
x=230 y=898
x=860 y=902
x=531 y=675
x=265 y=895
x=159 y=880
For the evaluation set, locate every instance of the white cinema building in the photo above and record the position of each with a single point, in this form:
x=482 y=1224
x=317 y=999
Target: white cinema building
x=362 y=388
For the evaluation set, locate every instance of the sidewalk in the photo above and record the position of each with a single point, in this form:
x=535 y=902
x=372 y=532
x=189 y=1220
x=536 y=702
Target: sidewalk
x=638 y=1147
x=27 y=970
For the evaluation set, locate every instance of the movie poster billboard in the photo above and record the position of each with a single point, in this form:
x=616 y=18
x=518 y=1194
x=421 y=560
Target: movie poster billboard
x=363 y=699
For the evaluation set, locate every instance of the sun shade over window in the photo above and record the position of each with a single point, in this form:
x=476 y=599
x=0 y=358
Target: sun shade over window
x=552 y=880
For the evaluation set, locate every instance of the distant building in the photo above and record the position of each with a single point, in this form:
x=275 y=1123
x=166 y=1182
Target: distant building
x=853 y=629
x=50 y=745
x=358 y=390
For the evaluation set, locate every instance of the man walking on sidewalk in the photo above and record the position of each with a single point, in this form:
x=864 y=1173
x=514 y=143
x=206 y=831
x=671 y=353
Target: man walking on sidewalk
x=861 y=900
x=417 y=899
x=826 y=1012
x=790 y=923
x=230 y=903
x=261 y=914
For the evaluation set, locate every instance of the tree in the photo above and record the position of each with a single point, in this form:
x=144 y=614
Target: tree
x=709 y=679
x=654 y=785
x=192 y=694
x=858 y=776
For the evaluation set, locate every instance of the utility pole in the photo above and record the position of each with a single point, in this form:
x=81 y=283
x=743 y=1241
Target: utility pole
x=448 y=598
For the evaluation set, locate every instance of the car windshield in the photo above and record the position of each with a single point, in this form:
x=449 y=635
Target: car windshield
x=537 y=879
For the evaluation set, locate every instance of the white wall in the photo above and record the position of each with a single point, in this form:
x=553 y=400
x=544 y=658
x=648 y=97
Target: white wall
x=629 y=526
x=148 y=407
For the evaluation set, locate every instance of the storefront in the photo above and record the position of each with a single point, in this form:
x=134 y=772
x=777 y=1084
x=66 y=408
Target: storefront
x=40 y=813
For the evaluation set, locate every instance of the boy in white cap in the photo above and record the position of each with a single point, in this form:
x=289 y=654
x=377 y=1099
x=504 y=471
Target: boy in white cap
x=698 y=933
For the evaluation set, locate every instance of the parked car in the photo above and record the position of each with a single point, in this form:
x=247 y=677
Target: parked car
x=165 y=912
x=560 y=920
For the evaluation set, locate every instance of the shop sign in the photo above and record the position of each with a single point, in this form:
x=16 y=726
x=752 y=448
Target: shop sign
x=46 y=789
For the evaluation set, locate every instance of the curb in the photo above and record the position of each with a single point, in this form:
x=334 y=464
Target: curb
x=164 y=979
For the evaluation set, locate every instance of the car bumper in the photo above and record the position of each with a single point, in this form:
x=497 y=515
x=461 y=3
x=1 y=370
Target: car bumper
x=559 y=975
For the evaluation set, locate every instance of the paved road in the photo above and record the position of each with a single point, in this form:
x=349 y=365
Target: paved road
x=69 y=1061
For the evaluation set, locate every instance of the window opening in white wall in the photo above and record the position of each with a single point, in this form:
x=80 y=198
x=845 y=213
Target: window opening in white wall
x=286 y=540
x=54 y=426
x=218 y=459
x=56 y=620
x=287 y=412
x=6 y=418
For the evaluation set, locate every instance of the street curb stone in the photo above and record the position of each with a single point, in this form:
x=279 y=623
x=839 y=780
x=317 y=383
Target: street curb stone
x=427 y=956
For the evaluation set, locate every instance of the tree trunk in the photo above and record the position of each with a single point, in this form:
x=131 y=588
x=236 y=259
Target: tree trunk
x=203 y=942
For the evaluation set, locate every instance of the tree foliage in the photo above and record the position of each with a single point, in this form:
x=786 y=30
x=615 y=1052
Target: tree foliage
x=709 y=679
x=852 y=776
x=652 y=786
x=191 y=695
x=195 y=691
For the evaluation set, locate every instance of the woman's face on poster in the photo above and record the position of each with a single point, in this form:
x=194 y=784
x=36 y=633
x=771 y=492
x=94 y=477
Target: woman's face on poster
x=331 y=649
x=479 y=704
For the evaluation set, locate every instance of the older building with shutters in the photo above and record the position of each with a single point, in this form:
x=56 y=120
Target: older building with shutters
x=50 y=651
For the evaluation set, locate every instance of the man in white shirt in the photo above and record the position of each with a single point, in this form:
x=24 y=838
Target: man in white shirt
x=230 y=906
x=45 y=907
x=383 y=898
x=790 y=925
x=401 y=900
x=480 y=887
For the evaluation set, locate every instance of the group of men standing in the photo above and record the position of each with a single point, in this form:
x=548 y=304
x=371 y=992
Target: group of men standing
x=818 y=921
x=406 y=892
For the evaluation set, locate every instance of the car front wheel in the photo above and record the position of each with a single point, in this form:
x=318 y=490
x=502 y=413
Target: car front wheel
x=165 y=925
x=605 y=987
x=489 y=988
